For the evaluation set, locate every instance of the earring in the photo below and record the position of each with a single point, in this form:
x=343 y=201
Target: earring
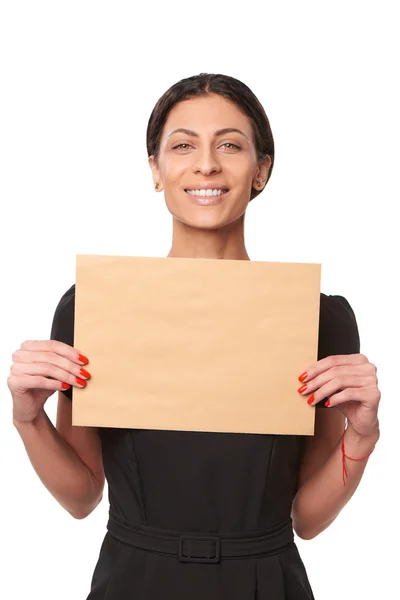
x=259 y=183
x=157 y=186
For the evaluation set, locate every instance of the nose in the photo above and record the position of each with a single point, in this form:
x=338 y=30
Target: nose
x=206 y=162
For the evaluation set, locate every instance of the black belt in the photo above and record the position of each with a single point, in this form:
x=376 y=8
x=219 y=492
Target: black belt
x=204 y=548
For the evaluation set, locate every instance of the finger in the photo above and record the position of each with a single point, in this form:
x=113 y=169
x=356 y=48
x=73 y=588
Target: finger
x=57 y=347
x=329 y=362
x=367 y=395
x=18 y=383
x=75 y=377
x=24 y=357
x=328 y=380
x=333 y=386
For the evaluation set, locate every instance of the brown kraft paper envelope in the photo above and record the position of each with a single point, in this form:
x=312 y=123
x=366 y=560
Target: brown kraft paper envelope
x=195 y=344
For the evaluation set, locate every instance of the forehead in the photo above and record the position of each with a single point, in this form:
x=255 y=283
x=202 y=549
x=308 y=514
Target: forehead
x=205 y=114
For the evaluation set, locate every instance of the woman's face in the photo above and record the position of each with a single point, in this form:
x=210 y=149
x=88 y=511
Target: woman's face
x=207 y=147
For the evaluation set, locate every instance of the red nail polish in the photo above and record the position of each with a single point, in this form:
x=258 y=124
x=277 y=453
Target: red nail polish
x=84 y=373
x=303 y=376
x=81 y=381
x=65 y=386
x=302 y=389
x=328 y=403
x=83 y=359
x=311 y=399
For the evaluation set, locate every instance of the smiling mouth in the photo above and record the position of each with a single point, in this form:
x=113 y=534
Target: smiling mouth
x=210 y=197
x=207 y=193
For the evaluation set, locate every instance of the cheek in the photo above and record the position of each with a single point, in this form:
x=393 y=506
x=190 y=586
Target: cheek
x=249 y=168
x=240 y=167
x=173 y=170
x=244 y=175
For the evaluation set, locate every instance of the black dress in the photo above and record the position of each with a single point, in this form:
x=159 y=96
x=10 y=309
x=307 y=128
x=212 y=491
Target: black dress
x=168 y=485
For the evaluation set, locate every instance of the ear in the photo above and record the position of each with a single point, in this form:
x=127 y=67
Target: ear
x=158 y=185
x=261 y=174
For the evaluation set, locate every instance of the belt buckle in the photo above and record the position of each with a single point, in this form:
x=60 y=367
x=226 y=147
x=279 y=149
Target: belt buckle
x=199 y=559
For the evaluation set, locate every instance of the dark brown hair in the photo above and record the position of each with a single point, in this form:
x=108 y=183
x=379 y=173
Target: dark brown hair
x=228 y=87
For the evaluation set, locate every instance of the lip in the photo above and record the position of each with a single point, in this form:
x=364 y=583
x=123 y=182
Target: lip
x=207 y=200
x=208 y=186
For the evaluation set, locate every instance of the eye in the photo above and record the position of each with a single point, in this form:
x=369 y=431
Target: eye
x=231 y=146
x=182 y=146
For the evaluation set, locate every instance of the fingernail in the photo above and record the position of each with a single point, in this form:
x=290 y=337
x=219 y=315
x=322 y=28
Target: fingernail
x=84 y=373
x=302 y=389
x=303 y=376
x=83 y=359
x=328 y=403
x=80 y=381
x=311 y=399
x=65 y=386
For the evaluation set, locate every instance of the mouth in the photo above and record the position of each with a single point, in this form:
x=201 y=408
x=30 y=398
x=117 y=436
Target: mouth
x=207 y=193
x=207 y=197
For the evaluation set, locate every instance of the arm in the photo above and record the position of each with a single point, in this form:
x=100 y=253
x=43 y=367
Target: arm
x=67 y=459
x=321 y=494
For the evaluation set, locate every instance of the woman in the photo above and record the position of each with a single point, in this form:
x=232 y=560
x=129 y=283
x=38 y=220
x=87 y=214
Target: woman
x=192 y=514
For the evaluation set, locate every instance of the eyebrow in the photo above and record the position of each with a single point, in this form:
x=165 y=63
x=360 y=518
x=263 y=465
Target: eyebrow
x=216 y=133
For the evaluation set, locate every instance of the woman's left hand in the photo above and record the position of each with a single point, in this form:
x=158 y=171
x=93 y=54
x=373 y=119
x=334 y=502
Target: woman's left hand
x=351 y=384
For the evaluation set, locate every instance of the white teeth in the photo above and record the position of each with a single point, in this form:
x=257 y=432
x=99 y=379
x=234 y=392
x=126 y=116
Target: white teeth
x=205 y=192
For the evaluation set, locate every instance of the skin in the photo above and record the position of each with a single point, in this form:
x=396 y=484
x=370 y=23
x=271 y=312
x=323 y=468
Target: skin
x=208 y=231
x=68 y=459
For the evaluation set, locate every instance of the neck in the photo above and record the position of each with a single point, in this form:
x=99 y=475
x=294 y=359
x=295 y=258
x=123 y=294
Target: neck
x=226 y=243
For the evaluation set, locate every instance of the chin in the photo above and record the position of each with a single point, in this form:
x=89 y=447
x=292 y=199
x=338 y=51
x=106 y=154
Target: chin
x=201 y=223
x=206 y=217
x=207 y=221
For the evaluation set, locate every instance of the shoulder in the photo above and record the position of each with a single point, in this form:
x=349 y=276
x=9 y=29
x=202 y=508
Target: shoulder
x=67 y=298
x=338 y=329
x=64 y=316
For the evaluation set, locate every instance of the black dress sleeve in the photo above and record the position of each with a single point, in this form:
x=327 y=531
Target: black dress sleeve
x=338 y=329
x=62 y=328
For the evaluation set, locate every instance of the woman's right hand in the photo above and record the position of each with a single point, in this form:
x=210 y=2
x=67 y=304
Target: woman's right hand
x=39 y=369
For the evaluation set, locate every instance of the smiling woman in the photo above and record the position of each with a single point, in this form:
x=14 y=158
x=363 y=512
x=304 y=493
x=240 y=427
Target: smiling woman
x=193 y=514
x=209 y=132
x=211 y=150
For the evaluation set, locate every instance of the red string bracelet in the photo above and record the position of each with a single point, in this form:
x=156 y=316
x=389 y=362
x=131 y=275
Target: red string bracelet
x=344 y=456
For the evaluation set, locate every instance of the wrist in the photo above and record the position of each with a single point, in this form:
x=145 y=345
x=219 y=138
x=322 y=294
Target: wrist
x=357 y=444
x=21 y=423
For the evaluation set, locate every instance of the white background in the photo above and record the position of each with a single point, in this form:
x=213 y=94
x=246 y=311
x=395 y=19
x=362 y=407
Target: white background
x=78 y=83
